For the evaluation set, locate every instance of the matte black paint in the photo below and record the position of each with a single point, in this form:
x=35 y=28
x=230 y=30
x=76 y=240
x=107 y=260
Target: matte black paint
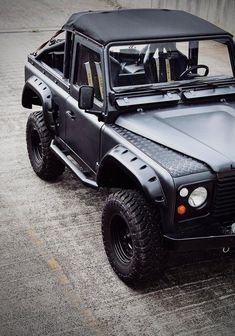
x=126 y=149
x=35 y=86
x=141 y=174
x=190 y=130
x=109 y=26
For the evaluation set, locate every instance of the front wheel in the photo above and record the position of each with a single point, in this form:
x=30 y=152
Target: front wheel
x=38 y=139
x=132 y=237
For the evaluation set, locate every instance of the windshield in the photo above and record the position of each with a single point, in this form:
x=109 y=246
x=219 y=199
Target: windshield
x=163 y=64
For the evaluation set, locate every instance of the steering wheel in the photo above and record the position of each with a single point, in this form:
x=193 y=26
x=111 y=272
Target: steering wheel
x=188 y=73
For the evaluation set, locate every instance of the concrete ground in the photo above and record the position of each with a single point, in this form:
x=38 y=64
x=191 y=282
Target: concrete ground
x=54 y=275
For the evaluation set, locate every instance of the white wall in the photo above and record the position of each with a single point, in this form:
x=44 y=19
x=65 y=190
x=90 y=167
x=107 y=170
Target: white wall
x=219 y=12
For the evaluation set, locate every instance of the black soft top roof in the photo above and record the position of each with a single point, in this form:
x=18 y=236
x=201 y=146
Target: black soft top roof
x=139 y=24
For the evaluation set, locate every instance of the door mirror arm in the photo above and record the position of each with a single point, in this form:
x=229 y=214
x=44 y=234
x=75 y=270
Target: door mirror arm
x=99 y=114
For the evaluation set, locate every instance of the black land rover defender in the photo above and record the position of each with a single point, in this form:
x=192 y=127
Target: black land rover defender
x=142 y=101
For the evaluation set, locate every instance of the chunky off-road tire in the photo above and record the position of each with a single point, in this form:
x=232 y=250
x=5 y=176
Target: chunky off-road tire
x=132 y=237
x=38 y=139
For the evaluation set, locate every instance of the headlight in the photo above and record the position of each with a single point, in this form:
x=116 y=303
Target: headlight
x=197 y=197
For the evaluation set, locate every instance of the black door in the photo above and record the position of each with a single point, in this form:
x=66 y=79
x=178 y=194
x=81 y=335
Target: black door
x=83 y=129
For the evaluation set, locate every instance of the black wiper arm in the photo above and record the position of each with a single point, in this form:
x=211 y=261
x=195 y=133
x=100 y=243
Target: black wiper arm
x=162 y=90
x=217 y=82
x=209 y=84
x=128 y=90
x=140 y=88
x=212 y=83
x=189 y=82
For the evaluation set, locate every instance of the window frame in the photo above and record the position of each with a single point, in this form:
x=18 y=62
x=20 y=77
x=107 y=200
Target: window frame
x=74 y=87
x=229 y=42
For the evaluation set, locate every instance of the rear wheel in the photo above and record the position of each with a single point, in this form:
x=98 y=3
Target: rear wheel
x=132 y=237
x=38 y=139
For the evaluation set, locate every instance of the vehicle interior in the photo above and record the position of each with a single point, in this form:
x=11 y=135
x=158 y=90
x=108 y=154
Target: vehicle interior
x=168 y=62
x=53 y=56
x=150 y=63
x=153 y=63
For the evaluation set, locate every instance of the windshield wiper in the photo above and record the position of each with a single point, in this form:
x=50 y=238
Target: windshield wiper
x=212 y=83
x=140 y=88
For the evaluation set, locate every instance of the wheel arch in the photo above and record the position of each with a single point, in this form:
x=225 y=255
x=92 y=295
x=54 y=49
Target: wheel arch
x=36 y=92
x=120 y=168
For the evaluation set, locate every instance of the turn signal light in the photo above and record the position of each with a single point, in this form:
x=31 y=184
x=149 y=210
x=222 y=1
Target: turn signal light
x=181 y=210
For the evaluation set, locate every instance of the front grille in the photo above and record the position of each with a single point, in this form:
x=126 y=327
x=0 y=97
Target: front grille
x=224 y=202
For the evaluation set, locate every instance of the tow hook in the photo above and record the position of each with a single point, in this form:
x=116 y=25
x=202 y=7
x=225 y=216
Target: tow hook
x=226 y=249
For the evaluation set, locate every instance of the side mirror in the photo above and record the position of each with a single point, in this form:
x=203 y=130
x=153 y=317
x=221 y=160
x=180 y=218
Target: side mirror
x=86 y=97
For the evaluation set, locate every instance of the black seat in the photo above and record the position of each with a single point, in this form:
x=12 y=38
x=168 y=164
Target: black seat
x=167 y=65
x=150 y=65
x=115 y=71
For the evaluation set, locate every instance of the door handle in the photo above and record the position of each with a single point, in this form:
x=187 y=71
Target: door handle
x=71 y=114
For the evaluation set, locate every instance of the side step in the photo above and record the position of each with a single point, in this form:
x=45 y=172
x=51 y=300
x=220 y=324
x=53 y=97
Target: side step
x=58 y=152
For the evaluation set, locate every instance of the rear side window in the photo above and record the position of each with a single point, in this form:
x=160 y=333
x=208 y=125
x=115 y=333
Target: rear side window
x=52 y=53
x=89 y=70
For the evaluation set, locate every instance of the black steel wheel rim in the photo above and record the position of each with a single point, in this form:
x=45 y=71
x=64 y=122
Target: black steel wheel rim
x=36 y=145
x=121 y=239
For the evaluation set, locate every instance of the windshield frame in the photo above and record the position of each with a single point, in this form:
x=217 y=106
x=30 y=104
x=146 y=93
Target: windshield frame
x=227 y=39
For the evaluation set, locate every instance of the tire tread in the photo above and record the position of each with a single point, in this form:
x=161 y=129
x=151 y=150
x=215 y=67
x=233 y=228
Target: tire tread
x=50 y=168
x=144 y=222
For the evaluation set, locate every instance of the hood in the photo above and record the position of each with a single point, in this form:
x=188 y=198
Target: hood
x=206 y=133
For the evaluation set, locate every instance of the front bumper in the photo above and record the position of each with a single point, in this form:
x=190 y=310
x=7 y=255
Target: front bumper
x=208 y=239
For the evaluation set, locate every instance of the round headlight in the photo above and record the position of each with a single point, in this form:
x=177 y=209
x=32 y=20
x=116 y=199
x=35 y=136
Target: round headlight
x=197 y=197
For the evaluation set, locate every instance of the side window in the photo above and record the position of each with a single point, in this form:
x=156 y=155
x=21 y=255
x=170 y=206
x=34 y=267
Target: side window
x=52 y=54
x=89 y=70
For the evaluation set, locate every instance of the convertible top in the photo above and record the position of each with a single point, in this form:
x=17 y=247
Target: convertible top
x=139 y=24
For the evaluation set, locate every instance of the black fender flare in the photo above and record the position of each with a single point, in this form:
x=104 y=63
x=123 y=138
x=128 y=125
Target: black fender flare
x=43 y=92
x=141 y=173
